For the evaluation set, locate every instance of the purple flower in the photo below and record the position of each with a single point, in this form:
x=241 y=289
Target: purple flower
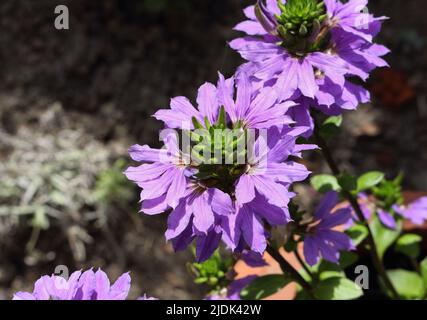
x=245 y=106
x=416 y=212
x=321 y=241
x=259 y=195
x=80 y=286
x=386 y=218
x=227 y=193
x=316 y=66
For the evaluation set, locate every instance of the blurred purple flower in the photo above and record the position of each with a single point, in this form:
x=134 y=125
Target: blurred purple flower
x=322 y=241
x=80 y=286
x=416 y=211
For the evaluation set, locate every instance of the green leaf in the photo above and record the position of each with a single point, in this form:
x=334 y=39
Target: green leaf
x=369 y=180
x=331 y=127
x=334 y=120
x=347 y=258
x=324 y=183
x=409 y=284
x=347 y=182
x=423 y=269
x=357 y=233
x=338 y=288
x=264 y=286
x=384 y=237
x=408 y=244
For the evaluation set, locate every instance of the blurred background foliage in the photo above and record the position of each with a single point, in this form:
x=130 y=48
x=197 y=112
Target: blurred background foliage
x=72 y=102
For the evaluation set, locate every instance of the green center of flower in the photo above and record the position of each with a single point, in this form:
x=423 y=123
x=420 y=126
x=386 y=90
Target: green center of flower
x=218 y=152
x=301 y=25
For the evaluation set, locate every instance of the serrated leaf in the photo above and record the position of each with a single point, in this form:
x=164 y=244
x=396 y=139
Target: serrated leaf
x=338 y=288
x=384 y=237
x=408 y=244
x=408 y=284
x=357 y=233
x=324 y=183
x=265 y=286
x=369 y=180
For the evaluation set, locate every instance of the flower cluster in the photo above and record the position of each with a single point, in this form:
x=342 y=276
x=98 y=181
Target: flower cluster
x=310 y=51
x=88 y=285
x=227 y=166
x=232 y=178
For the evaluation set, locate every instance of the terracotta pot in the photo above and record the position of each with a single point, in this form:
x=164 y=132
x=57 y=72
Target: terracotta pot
x=289 y=292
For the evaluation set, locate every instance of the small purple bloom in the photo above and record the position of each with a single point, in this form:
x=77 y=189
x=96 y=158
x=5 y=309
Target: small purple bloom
x=322 y=241
x=386 y=219
x=364 y=205
x=416 y=212
x=80 y=286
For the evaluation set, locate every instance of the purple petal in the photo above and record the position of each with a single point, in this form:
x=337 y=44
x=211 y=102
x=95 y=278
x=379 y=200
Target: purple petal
x=328 y=202
x=208 y=102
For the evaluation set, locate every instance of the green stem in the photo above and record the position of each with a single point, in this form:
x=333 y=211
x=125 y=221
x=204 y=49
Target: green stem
x=287 y=269
x=302 y=263
x=353 y=202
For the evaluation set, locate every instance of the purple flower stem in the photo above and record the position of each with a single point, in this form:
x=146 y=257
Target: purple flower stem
x=353 y=202
x=287 y=269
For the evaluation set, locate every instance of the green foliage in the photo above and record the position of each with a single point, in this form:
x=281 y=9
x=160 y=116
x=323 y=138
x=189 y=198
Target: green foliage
x=383 y=236
x=409 y=244
x=357 y=232
x=324 y=183
x=48 y=179
x=347 y=182
x=112 y=185
x=337 y=288
x=369 y=180
x=213 y=271
x=389 y=192
x=328 y=270
x=331 y=127
x=265 y=286
x=408 y=284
